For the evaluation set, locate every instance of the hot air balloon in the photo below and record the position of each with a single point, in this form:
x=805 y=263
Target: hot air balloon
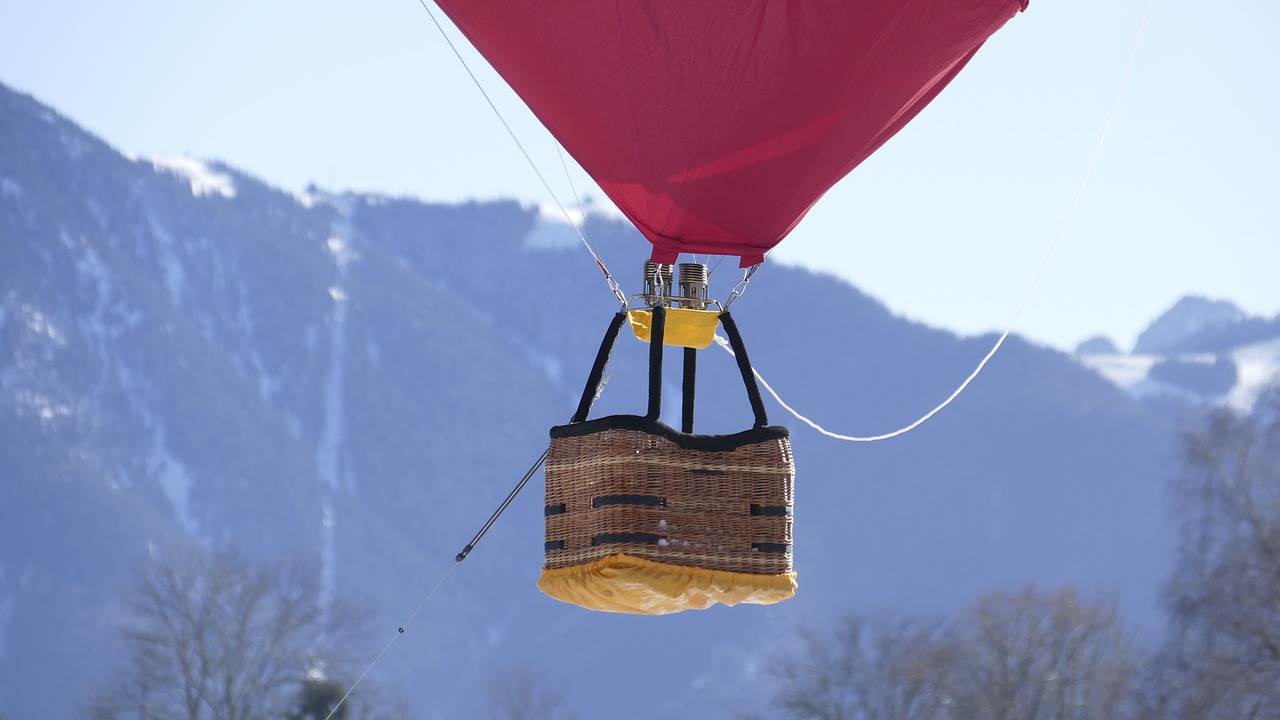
x=714 y=126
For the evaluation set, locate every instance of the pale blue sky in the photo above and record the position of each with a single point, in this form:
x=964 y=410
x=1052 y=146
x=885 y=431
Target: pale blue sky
x=947 y=224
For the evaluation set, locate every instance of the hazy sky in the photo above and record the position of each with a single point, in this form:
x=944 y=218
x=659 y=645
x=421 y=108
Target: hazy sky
x=947 y=224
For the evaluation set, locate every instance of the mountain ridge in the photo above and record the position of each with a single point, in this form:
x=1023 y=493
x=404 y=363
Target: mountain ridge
x=359 y=379
x=1200 y=352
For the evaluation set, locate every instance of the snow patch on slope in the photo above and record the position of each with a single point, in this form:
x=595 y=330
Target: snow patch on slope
x=1257 y=365
x=41 y=325
x=174 y=480
x=38 y=342
x=90 y=267
x=556 y=229
x=175 y=278
x=204 y=180
x=331 y=458
x=41 y=405
x=333 y=431
x=1125 y=371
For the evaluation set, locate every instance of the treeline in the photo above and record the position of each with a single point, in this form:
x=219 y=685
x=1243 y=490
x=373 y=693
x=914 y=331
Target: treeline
x=1038 y=654
x=214 y=636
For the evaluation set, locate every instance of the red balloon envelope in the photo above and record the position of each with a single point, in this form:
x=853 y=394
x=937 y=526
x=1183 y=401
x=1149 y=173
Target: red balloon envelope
x=715 y=125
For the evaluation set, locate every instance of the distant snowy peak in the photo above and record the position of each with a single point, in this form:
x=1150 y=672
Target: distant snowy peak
x=1189 y=317
x=1200 y=351
x=204 y=179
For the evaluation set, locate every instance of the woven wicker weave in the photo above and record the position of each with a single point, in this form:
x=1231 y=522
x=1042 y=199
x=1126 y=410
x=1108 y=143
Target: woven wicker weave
x=726 y=510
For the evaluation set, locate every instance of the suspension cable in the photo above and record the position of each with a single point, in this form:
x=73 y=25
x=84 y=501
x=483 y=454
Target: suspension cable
x=613 y=284
x=399 y=631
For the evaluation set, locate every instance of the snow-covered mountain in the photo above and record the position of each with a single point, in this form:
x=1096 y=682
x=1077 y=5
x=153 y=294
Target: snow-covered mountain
x=188 y=356
x=1200 y=351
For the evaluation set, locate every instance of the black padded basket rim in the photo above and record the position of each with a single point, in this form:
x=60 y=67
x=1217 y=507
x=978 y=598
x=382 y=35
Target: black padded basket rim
x=709 y=443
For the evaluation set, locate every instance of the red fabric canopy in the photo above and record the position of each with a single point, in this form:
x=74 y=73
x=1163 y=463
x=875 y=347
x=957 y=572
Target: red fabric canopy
x=716 y=124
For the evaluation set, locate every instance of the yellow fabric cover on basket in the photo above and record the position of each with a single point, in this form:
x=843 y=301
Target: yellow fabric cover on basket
x=685 y=327
x=629 y=584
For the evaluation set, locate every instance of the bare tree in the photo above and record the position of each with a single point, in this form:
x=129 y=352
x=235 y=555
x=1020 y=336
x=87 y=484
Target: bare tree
x=867 y=669
x=517 y=695
x=212 y=637
x=1015 y=655
x=1223 y=660
x=1035 y=654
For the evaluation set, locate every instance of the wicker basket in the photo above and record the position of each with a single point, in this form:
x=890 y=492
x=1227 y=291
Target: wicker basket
x=643 y=518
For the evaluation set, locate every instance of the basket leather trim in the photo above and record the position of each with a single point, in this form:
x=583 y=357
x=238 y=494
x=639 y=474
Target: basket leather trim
x=623 y=538
x=641 y=500
x=714 y=443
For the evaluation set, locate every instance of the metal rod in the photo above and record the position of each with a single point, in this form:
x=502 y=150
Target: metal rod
x=511 y=496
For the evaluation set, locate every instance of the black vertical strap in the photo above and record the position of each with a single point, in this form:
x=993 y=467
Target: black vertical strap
x=597 y=370
x=744 y=366
x=657 y=333
x=690 y=378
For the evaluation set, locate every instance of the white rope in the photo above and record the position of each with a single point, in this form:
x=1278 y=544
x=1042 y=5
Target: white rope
x=1075 y=200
